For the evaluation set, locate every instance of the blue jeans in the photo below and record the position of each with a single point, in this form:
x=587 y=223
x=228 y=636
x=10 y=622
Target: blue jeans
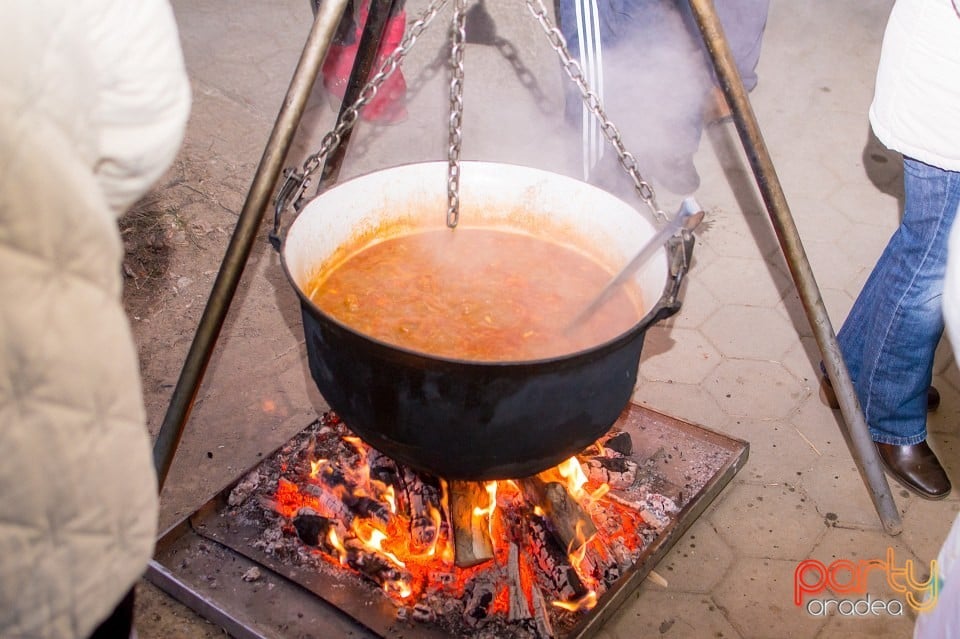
x=889 y=338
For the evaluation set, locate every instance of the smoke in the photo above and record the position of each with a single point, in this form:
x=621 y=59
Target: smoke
x=655 y=83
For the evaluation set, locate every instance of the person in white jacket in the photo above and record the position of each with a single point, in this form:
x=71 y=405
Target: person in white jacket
x=94 y=99
x=890 y=336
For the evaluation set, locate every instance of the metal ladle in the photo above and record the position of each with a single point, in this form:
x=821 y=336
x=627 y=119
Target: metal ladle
x=687 y=218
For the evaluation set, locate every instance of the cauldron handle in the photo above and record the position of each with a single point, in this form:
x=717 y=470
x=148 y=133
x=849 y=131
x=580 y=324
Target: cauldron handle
x=292 y=191
x=679 y=254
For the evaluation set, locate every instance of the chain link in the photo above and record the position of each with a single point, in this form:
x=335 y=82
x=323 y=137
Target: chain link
x=572 y=68
x=333 y=138
x=296 y=182
x=457 y=37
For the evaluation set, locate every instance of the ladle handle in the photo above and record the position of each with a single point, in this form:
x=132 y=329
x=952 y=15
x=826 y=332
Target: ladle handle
x=687 y=218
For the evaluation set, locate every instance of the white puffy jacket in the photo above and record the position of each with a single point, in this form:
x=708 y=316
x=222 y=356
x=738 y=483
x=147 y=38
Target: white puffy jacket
x=93 y=104
x=916 y=103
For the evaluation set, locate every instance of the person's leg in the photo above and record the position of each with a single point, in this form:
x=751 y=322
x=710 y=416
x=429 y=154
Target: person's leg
x=119 y=625
x=889 y=338
x=743 y=23
x=387 y=105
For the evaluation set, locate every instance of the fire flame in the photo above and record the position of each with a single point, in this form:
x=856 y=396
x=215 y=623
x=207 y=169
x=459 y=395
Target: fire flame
x=585 y=602
x=384 y=530
x=480 y=513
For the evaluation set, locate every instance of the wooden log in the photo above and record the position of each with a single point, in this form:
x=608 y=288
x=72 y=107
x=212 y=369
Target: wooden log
x=471 y=536
x=541 y=615
x=383 y=469
x=340 y=487
x=519 y=609
x=313 y=530
x=620 y=442
x=479 y=596
x=556 y=572
x=566 y=519
x=422 y=494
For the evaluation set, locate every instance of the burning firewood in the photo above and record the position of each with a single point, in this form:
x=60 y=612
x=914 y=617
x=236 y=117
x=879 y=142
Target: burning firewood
x=541 y=616
x=422 y=498
x=479 y=596
x=620 y=442
x=519 y=609
x=571 y=525
x=321 y=532
x=382 y=468
x=554 y=564
x=471 y=529
x=359 y=505
x=619 y=472
x=311 y=528
x=616 y=443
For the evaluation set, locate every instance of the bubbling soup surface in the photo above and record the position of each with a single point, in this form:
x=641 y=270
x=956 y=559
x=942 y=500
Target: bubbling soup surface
x=474 y=294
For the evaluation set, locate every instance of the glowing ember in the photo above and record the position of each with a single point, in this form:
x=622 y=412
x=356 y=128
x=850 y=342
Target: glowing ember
x=559 y=537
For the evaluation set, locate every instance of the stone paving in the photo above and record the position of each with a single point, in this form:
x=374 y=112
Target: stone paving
x=740 y=357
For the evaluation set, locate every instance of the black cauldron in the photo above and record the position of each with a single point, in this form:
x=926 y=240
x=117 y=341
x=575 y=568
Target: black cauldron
x=476 y=420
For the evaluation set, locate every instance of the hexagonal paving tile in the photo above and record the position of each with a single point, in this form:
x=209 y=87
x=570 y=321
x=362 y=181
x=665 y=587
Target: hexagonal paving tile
x=947 y=447
x=664 y=613
x=818 y=221
x=777 y=451
x=882 y=626
x=926 y=525
x=944 y=420
x=698 y=560
x=871 y=240
x=697 y=304
x=840 y=494
x=837 y=303
x=792 y=168
x=767 y=520
x=678 y=355
x=754 y=389
x=943 y=358
x=832 y=267
x=792 y=309
x=749 y=332
x=803 y=360
x=894 y=617
x=819 y=426
x=762 y=282
x=737 y=235
x=757 y=597
x=865 y=205
x=689 y=402
x=839 y=125
x=841 y=544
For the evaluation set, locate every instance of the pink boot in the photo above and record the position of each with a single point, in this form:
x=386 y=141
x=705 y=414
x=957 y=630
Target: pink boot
x=387 y=106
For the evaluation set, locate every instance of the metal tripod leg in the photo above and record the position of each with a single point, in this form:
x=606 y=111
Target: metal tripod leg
x=373 y=30
x=248 y=225
x=864 y=452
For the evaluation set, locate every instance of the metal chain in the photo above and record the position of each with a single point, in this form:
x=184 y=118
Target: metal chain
x=457 y=39
x=296 y=183
x=627 y=160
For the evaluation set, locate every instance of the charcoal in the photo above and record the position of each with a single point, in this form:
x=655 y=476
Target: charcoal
x=311 y=528
x=620 y=442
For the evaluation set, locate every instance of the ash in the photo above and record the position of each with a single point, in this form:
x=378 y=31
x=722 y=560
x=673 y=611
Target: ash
x=307 y=519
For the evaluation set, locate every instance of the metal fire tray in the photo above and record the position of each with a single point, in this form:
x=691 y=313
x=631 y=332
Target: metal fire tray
x=206 y=560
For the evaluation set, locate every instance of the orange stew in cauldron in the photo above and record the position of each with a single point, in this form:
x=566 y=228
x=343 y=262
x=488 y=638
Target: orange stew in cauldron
x=474 y=294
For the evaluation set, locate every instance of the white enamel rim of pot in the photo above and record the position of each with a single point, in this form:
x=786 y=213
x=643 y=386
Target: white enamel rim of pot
x=491 y=194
